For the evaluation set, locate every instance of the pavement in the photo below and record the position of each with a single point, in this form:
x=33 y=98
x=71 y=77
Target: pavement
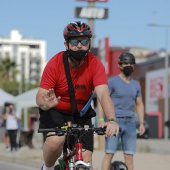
x=151 y=154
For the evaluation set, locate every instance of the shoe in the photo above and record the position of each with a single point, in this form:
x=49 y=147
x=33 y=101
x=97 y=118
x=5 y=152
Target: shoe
x=10 y=154
x=8 y=149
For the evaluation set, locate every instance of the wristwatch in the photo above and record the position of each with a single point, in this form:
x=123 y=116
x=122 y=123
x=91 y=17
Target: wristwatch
x=112 y=120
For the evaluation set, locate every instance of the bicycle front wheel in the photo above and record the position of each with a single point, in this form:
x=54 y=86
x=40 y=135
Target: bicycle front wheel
x=81 y=167
x=57 y=167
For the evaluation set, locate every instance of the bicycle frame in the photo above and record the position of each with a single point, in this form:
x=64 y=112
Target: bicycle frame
x=72 y=159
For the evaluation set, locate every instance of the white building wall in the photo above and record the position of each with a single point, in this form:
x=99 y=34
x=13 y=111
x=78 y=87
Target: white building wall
x=21 y=50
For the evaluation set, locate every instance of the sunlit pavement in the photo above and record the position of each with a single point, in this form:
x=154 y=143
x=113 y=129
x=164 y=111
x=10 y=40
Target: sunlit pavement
x=151 y=155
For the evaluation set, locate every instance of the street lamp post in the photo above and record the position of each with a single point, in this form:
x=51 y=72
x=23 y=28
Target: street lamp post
x=91 y=23
x=166 y=106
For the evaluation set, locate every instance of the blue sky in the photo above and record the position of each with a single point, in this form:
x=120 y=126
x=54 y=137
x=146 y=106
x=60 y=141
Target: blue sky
x=126 y=24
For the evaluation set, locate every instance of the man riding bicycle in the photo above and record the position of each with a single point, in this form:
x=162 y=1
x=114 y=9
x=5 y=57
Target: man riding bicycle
x=88 y=75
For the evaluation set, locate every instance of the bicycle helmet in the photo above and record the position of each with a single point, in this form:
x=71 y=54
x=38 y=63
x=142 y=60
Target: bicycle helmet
x=126 y=58
x=76 y=29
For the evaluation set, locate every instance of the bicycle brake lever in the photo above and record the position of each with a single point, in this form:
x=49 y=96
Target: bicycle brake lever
x=60 y=133
x=100 y=133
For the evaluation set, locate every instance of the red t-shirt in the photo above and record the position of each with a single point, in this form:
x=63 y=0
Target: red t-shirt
x=85 y=79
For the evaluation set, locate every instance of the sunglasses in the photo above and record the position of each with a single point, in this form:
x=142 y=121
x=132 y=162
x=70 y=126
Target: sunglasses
x=83 y=42
x=126 y=63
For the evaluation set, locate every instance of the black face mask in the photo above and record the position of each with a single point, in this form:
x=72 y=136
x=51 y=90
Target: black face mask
x=78 y=55
x=127 y=70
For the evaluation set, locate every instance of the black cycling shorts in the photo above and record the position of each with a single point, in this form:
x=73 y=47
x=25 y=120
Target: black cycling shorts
x=54 y=118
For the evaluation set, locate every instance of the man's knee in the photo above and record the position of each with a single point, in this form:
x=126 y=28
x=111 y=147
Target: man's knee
x=54 y=142
x=87 y=156
x=109 y=156
x=128 y=157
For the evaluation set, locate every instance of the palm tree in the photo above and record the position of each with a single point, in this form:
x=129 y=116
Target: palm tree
x=8 y=69
x=8 y=74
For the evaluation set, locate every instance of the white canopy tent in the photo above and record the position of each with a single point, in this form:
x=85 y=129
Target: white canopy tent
x=25 y=101
x=5 y=97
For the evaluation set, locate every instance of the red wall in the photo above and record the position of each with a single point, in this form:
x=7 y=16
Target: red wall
x=114 y=69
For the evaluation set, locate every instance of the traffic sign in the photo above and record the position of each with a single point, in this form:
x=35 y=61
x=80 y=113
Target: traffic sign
x=94 y=0
x=91 y=12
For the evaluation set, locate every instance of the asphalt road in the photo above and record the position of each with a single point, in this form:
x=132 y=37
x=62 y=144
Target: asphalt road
x=8 y=166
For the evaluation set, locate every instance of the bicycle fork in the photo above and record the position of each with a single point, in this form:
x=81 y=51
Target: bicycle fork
x=79 y=163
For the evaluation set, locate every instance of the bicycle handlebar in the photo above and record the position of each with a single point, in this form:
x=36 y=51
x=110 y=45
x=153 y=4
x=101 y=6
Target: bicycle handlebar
x=74 y=128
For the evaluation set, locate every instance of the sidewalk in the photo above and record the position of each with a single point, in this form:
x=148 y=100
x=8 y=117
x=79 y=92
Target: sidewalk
x=151 y=155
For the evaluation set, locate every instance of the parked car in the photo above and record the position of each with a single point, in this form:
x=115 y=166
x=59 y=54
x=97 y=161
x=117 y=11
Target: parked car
x=146 y=134
x=167 y=123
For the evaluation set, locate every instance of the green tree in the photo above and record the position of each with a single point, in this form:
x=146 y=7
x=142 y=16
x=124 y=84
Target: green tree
x=8 y=82
x=8 y=69
x=8 y=74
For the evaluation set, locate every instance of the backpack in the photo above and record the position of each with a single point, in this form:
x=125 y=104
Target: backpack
x=118 y=165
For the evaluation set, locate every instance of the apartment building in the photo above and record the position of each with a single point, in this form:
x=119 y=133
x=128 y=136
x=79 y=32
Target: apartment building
x=29 y=55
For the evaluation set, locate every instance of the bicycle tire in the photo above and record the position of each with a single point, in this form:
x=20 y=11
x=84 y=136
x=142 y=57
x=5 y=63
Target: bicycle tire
x=118 y=165
x=57 y=167
x=81 y=168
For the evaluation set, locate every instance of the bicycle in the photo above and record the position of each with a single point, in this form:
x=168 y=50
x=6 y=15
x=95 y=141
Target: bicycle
x=72 y=158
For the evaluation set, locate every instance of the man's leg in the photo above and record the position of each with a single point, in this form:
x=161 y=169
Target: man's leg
x=3 y=138
x=106 y=163
x=129 y=161
x=129 y=142
x=52 y=149
x=111 y=148
x=53 y=145
x=87 y=156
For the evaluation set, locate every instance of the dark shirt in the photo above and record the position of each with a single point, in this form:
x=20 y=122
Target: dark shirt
x=4 y=121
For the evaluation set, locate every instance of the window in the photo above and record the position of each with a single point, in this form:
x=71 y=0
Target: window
x=23 y=54
x=7 y=54
x=34 y=46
